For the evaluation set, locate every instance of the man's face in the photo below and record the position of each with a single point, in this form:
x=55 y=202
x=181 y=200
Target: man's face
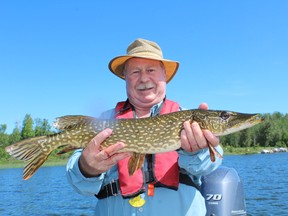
x=145 y=81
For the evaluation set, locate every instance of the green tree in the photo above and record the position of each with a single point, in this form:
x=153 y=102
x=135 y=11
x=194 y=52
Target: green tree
x=16 y=135
x=4 y=138
x=4 y=141
x=3 y=128
x=263 y=132
x=231 y=140
x=27 y=129
x=42 y=127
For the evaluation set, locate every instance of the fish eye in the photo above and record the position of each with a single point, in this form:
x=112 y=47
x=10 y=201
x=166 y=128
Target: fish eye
x=225 y=115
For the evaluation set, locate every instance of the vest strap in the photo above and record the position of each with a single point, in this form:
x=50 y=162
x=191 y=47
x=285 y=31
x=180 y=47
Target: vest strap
x=113 y=188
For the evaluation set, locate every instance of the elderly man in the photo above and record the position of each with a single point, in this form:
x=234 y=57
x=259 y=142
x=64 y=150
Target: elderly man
x=167 y=183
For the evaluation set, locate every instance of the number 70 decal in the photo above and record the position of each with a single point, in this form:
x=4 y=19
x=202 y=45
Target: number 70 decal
x=213 y=197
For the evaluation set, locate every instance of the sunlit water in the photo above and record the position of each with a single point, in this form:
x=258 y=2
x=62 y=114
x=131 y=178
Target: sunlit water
x=265 y=179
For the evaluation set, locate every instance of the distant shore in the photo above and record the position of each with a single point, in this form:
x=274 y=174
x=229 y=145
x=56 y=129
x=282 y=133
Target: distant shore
x=5 y=164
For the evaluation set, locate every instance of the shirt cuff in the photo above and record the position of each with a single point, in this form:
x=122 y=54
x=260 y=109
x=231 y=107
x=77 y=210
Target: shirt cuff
x=80 y=183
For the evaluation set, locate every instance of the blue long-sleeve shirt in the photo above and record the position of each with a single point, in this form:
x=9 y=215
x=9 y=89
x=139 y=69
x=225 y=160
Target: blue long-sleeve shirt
x=187 y=200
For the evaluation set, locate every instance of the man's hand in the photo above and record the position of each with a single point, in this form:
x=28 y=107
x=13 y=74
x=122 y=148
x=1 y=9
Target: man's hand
x=93 y=161
x=193 y=138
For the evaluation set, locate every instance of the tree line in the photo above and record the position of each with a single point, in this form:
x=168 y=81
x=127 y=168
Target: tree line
x=273 y=132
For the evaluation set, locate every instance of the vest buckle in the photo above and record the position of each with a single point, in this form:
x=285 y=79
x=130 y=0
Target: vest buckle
x=113 y=188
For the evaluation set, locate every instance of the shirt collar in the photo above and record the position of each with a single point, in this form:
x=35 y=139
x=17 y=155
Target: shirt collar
x=155 y=110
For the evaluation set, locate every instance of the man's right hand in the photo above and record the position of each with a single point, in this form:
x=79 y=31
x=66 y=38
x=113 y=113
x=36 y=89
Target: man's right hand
x=94 y=161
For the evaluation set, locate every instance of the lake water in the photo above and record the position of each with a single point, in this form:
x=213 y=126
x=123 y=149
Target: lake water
x=265 y=179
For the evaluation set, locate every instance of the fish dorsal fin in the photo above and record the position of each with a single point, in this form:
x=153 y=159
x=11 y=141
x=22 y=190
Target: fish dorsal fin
x=66 y=122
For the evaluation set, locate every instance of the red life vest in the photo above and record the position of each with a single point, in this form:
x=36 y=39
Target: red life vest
x=165 y=168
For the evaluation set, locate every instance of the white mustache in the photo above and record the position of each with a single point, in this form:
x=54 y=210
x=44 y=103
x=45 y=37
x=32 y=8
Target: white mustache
x=145 y=86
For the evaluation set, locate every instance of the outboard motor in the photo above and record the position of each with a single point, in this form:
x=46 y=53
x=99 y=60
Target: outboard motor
x=223 y=192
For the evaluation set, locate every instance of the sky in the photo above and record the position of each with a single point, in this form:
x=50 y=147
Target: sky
x=54 y=54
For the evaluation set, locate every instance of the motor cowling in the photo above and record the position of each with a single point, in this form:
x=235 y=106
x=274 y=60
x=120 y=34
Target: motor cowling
x=223 y=192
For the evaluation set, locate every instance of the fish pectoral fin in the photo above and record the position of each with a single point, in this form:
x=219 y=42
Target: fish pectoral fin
x=135 y=162
x=67 y=149
x=213 y=152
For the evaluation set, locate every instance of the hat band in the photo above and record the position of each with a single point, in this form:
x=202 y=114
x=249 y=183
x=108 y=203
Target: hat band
x=146 y=55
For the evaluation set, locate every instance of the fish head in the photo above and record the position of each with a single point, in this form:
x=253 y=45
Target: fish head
x=221 y=123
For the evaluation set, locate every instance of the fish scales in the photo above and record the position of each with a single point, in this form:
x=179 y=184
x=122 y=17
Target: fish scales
x=147 y=135
x=142 y=136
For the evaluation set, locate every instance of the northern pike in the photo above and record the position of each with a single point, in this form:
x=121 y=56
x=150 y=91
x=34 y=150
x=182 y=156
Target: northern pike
x=141 y=136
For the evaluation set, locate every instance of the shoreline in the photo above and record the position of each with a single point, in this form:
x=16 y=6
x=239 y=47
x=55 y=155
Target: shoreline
x=20 y=164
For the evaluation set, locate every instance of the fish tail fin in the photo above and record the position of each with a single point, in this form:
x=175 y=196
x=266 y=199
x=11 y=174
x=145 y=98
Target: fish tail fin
x=30 y=151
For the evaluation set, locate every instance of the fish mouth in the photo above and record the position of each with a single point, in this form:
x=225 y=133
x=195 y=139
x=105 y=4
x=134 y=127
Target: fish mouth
x=250 y=122
x=257 y=118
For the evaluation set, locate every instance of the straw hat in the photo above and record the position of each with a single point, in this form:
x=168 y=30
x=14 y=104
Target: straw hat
x=143 y=49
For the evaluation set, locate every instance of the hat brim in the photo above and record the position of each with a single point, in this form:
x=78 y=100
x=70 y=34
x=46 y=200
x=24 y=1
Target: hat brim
x=116 y=66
